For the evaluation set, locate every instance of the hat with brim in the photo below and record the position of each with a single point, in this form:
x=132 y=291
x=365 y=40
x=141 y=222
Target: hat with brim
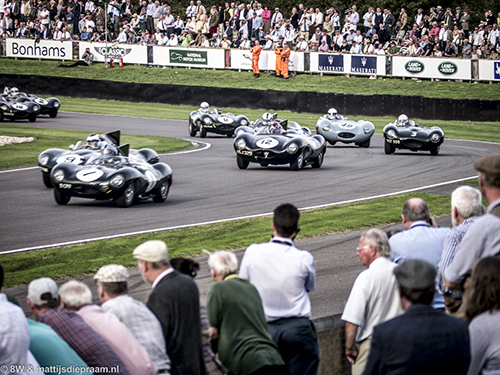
x=489 y=165
x=151 y=251
x=112 y=273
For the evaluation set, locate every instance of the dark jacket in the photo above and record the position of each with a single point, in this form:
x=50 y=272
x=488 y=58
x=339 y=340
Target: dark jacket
x=421 y=341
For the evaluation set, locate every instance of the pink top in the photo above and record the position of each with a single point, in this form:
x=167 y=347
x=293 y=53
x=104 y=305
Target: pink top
x=117 y=335
x=266 y=16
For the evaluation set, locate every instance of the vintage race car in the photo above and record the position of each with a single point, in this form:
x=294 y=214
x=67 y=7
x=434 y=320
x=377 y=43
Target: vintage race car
x=341 y=129
x=113 y=174
x=18 y=108
x=48 y=106
x=80 y=153
x=214 y=121
x=280 y=142
x=412 y=137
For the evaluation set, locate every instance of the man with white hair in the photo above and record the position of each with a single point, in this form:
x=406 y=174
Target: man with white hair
x=112 y=289
x=76 y=296
x=237 y=321
x=175 y=301
x=373 y=299
x=43 y=300
x=466 y=207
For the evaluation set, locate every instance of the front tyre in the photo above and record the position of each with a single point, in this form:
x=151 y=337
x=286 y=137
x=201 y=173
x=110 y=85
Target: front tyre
x=53 y=113
x=203 y=132
x=46 y=180
x=242 y=163
x=388 y=148
x=32 y=117
x=192 y=129
x=318 y=161
x=365 y=144
x=61 y=197
x=127 y=198
x=435 y=151
x=298 y=163
x=332 y=142
x=161 y=194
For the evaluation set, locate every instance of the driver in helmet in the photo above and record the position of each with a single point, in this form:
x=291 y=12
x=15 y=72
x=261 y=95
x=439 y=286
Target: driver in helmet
x=109 y=150
x=402 y=120
x=204 y=107
x=92 y=142
x=332 y=114
x=13 y=93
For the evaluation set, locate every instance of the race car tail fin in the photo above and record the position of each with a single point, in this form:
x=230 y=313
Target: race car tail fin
x=112 y=137
x=284 y=124
x=124 y=149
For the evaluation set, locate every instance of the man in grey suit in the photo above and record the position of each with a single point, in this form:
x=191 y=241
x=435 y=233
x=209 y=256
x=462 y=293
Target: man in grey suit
x=175 y=302
x=422 y=340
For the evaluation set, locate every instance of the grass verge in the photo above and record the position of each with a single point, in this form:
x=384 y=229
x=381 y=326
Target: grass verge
x=25 y=154
x=86 y=259
x=233 y=78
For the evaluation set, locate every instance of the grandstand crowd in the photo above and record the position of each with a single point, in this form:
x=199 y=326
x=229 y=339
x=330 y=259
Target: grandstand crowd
x=437 y=32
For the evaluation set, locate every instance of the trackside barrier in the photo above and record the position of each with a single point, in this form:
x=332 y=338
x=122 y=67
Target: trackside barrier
x=45 y=49
x=131 y=53
x=431 y=67
x=335 y=63
x=189 y=57
x=489 y=70
x=242 y=59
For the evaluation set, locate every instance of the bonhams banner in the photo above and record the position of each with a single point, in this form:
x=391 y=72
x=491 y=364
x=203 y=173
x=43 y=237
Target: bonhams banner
x=431 y=67
x=44 y=49
x=131 y=53
x=347 y=64
x=194 y=57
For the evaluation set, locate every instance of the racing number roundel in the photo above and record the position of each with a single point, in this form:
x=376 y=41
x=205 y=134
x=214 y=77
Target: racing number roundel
x=225 y=120
x=89 y=175
x=267 y=143
x=346 y=125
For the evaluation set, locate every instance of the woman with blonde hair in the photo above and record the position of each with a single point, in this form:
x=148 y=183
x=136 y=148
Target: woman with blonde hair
x=201 y=22
x=483 y=313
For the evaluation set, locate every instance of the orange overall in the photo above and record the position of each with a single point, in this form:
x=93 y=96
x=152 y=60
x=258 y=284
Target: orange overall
x=278 y=51
x=255 y=58
x=285 y=55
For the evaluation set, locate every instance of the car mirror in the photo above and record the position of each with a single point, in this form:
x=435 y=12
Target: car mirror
x=71 y=147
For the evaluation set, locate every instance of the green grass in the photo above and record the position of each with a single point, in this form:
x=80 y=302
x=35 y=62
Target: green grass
x=86 y=259
x=235 y=79
x=25 y=154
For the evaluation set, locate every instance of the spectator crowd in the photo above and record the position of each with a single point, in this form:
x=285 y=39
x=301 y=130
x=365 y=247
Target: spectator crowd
x=427 y=303
x=437 y=32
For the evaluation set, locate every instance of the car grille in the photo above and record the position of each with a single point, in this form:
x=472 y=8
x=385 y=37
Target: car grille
x=346 y=135
x=226 y=127
x=413 y=144
x=264 y=154
x=85 y=189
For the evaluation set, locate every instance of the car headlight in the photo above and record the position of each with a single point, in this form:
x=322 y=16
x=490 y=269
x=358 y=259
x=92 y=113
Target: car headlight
x=241 y=144
x=391 y=134
x=104 y=186
x=207 y=121
x=57 y=104
x=117 y=180
x=244 y=122
x=240 y=131
x=326 y=127
x=36 y=108
x=4 y=108
x=43 y=159
x=292 y=148
x=435 y=138
x=367 y=129
x=58 y=175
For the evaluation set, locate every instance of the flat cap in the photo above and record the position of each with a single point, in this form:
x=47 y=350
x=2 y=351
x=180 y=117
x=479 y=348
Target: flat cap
x=489 y=164
x=151 y=251
x=415 y=274
x=112 y=273
x=38 y=287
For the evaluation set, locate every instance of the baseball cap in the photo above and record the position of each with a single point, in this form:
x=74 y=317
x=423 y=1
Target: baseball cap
x=151 y=251
x=112 y=273
x=415 y=274
x=38 y=287
x=489 y=164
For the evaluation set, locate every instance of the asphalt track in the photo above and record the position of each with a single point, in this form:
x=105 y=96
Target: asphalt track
x=208 y=185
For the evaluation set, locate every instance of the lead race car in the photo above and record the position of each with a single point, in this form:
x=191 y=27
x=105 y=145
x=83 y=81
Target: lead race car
x=273 y=141
x=106 y=170
x=336 y=128
x=406 y=134
x=48 y=106
x=211 y=120
x=14 y=106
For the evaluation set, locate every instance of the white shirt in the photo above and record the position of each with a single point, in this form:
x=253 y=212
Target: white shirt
x=161 y=276
x=283 y=275
x=374 y=298
x=172 y=41
x=122 y=37
x=302 y=45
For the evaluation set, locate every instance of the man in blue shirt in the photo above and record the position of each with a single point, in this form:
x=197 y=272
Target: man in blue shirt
x=421 y=239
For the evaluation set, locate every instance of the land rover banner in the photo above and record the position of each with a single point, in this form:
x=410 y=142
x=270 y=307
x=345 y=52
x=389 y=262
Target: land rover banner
x=44 y=49
x=426 y=67
x=131 y=53
x=194 y=57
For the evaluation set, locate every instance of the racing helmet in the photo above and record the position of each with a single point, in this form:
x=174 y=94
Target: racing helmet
x=14 y=92
x=402 y=120
x=267 y=118
x=204 y=106
x=108 y=150
x=93 y=140
x=332 y=113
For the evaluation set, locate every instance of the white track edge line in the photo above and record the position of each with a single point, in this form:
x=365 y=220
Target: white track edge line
x=228 y=220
